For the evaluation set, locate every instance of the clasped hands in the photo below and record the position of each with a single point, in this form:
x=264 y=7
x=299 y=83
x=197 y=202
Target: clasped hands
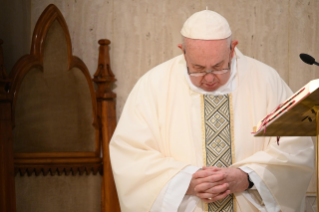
x=212 y=183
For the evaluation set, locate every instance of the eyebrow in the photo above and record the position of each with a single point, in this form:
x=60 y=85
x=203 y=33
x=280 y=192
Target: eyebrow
x=217 y=64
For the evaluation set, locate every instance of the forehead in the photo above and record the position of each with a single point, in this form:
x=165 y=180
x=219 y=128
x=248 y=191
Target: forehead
x=203 y=50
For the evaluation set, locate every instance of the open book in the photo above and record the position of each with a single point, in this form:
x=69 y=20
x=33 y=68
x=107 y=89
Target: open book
x=295 y=116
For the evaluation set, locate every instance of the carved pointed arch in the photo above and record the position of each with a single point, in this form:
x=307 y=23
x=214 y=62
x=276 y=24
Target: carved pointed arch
x=51 y=22
x=51 y=15
x=48 y=16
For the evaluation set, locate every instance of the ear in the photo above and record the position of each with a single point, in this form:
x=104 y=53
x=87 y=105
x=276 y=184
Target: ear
x=234 y=43
x=181 y=47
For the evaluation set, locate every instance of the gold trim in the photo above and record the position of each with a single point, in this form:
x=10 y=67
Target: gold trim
x=203 y=140
x=234 y=203
x=317 y=153
x=206 y=207
x=231 y=113
x=203 y=131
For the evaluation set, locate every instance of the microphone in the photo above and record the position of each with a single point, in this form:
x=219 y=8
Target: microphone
x=308 y=59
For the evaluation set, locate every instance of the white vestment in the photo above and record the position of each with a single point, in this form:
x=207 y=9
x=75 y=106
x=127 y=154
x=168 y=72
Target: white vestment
x=160 y=133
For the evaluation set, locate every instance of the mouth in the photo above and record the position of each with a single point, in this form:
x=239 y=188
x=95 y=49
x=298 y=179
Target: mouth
x=210 y=85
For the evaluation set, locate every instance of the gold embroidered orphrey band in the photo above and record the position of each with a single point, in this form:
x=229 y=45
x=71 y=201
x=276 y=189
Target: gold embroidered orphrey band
x=218 y=141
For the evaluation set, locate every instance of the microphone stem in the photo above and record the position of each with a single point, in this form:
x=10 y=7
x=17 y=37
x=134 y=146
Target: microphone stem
x=316 y=63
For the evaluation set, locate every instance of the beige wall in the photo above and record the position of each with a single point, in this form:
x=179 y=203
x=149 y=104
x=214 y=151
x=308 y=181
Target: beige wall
x=145 y=33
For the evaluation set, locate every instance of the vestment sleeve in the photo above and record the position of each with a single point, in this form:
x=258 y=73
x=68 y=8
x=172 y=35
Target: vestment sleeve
x=173 y=194
x=259 y=195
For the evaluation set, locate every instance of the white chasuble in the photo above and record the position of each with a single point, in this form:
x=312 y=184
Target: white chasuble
x=160 y=133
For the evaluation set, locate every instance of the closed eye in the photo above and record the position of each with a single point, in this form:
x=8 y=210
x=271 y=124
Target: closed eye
x=218 y=65
x=218 y=68
x=199 y=68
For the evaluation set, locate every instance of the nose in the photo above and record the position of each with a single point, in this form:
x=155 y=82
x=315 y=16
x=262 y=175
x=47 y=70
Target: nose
x=209 y=77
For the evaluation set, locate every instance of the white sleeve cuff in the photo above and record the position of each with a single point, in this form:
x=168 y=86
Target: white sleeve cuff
x=267 y=203
x=173 y=193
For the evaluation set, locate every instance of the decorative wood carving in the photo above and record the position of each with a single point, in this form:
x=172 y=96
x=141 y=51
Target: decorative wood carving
x=56 y=160
x=66 y=169
x=35 y=58
x=104 y=78
x=7 y=194
x=57 y=163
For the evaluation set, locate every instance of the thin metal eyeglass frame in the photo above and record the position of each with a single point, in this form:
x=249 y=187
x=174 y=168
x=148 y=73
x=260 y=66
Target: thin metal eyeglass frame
x=217 y=72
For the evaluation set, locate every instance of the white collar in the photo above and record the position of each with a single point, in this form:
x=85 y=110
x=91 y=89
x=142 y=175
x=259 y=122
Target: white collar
x=225 y=89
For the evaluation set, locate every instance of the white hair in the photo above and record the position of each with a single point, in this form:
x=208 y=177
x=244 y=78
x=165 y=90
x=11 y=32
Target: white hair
x=229 y=41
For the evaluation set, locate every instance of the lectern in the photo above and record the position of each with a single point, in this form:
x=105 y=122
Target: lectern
x=297 y=116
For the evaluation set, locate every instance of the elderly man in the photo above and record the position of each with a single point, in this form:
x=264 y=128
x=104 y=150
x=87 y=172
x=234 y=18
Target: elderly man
x=184 y=140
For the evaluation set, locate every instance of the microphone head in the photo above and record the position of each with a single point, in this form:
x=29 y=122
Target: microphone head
x=307 y=59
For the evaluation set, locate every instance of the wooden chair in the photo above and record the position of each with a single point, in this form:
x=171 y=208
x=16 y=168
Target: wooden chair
x=53 y=123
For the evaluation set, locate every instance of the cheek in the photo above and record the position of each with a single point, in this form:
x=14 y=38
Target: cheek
x=223 y=79
x=196 y=81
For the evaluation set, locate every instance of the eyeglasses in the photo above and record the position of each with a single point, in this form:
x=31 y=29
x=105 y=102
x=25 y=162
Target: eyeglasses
x=217 y=71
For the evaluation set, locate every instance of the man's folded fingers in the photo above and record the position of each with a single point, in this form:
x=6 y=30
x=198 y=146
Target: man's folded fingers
x=212 y=178
x=205 y=195
x=202 y=173
x=217 y=189
x=204 y=187
x=212 y=168
x=216 y=177
x=212 y=198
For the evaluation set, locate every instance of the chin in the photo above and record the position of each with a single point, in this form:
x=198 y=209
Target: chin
x=207 y=88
